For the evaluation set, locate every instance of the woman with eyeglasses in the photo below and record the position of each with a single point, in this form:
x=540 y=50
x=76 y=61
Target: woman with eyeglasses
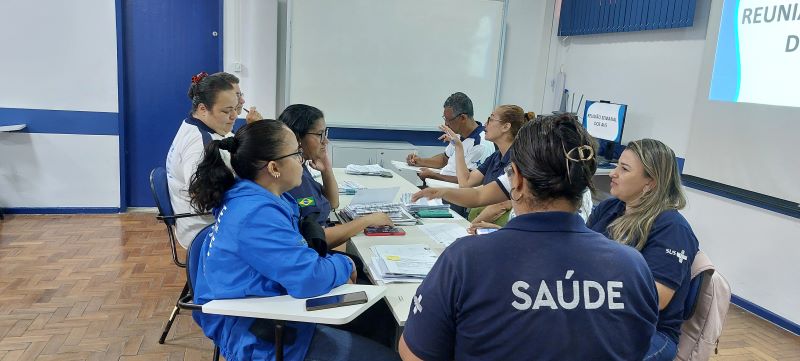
x=544 y=287
x=643 y=214
x=255 y=249
x=212 y=116
x=501 y=128
x=308 y=124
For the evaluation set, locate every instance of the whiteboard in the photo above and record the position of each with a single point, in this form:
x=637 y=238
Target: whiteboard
x=390 y=64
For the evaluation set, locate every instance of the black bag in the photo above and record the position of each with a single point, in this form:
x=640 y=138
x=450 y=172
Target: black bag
x=314 y=234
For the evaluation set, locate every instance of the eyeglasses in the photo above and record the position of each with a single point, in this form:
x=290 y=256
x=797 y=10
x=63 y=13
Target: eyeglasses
x=322 y=135
x=240 y=95
x=490 y=119
x=298 y=154
x=453 y=118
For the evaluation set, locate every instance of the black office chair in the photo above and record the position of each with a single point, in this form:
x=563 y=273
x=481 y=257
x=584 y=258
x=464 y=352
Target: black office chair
x=192 y=260
x=160 y=189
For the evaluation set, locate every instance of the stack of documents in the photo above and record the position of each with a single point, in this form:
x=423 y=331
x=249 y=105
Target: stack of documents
x=401 y=263
x=443 y=233
x=375 y=200
x=396 y=212
x=422 y=203
x=369 y=169
x=350 y=187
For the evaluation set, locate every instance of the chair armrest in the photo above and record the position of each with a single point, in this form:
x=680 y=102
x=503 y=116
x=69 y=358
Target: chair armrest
x=182 y=215
x=287 y=308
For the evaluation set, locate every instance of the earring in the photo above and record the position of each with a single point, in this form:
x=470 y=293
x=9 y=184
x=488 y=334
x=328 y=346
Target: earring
x=277 y=175
x=512 y=196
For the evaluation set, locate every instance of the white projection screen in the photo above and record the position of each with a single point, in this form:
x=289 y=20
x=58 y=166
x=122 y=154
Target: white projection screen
x=746 y=125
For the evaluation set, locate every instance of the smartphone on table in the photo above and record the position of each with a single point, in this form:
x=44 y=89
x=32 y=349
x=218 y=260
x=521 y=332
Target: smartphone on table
x=347 y=299
x=384 y=231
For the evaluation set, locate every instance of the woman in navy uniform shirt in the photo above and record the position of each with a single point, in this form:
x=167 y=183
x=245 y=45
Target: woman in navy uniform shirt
x=544 y=287
x=256 y=250
x=308 y=123
x=501 y=128
x=644 y=214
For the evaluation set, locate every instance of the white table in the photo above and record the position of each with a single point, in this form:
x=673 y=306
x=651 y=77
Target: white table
x=398 y=295
x=288 y=308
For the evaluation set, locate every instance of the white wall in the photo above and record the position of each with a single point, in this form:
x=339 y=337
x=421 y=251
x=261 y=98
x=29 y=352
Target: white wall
x=59 y=170
x=754 y=248
x=654 y=72
x=528 y=29
x=250 y=33
x=59 y=55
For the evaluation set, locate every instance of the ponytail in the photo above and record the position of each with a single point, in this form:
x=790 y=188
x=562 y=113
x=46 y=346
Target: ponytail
x=212 y=178
x=253 y=146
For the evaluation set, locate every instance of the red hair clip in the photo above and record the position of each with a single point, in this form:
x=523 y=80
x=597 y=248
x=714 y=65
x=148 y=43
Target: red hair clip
x=199 y=77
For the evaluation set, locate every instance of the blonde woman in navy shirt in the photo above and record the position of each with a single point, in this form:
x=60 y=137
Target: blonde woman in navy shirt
x=544 y=287
x=501 y=128
x=644 y=214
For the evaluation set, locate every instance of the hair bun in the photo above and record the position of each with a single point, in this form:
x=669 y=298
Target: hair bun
x=530 y=116
x=230 y=144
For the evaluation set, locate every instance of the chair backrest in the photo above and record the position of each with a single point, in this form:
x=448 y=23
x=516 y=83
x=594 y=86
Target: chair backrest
x=160 y=189
x=700 y=333
x=193 y=256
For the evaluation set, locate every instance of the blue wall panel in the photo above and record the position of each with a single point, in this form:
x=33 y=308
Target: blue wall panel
x=581 y=17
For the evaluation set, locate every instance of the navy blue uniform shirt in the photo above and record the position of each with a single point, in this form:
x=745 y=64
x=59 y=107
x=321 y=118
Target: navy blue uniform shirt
x=669 y=252
x=544 y=287
x=494 y=166
x=310 y=198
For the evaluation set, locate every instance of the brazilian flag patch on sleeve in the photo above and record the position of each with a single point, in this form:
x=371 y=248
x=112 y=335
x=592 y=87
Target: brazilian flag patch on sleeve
x=306 y=202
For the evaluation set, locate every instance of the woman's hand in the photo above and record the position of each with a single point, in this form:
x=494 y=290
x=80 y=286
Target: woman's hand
x=354 y=274
x=450 y=136
x=378 y=219
x=491 y=213
x=252 y=115
x=430 y=193
x=322 y=162
x=473 y=227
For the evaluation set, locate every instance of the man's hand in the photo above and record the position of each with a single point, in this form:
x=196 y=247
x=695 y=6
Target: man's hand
x=425 y=173
x=412 y=159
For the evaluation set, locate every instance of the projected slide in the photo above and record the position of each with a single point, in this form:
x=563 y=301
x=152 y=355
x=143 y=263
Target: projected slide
x=758 y=53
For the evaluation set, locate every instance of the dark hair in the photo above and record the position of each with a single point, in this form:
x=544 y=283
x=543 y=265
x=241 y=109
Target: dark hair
x=556 y=156
x=460 y=103
x=300 y=118
x=251 y=146
x=205 y=91
x=228 y=77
